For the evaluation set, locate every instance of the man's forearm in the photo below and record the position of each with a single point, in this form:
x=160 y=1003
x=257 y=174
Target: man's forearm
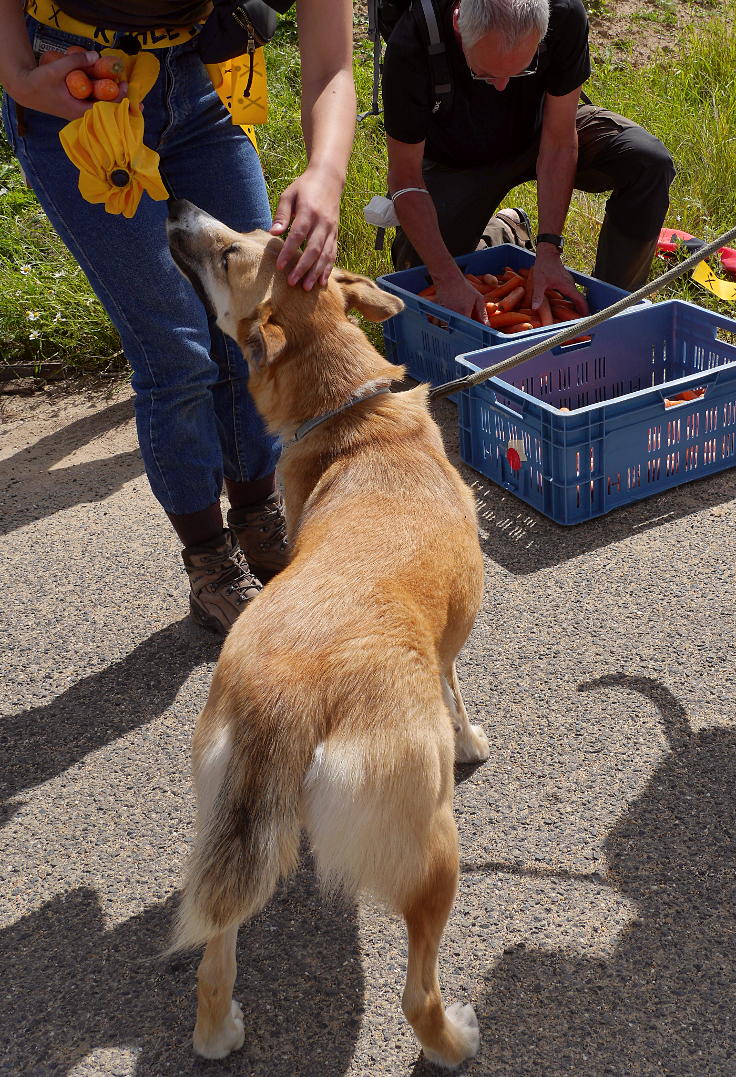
x=418 y=219
x=556 y=168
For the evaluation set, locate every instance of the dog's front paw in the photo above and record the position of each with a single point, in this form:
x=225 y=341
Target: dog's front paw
x=228 y=1036
x=463 y=1036
x=472 y=746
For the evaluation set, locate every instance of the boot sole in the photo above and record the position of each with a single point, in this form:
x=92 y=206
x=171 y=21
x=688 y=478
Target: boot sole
x=206 y=620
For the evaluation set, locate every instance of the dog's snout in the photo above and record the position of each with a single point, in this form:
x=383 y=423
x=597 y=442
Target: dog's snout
x=178 y=208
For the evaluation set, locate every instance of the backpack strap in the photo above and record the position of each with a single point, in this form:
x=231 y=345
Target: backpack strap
x=374 y=35
x=436 y=49
x=439 y=67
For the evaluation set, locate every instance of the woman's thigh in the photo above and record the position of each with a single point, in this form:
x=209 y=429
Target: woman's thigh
x=205 y=158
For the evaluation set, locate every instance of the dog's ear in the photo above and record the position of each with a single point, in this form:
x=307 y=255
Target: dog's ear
x=265 y=339
x=364 y=295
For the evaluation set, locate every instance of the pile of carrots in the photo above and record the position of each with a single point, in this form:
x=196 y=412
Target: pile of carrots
x=506 y=301
x=101 y=82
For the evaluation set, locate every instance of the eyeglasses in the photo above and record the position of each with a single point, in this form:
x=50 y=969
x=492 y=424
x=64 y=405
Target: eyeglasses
x=530 y=70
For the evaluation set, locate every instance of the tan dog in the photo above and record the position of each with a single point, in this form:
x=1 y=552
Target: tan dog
x=335 y=698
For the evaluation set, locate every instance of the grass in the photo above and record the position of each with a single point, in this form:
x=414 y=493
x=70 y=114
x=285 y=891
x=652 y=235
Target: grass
x=687 y=97
x=49 y=316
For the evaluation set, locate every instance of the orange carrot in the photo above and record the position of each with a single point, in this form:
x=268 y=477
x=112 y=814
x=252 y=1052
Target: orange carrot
x=514 y=281
x=562 y=314
x=427 y=293
x=105 y=89
x=506 y=317
x=108 y=67
x=510 y=301
x=78 y=84
x=520 y=327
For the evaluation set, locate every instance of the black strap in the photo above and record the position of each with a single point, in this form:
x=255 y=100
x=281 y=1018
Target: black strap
x=437 y=51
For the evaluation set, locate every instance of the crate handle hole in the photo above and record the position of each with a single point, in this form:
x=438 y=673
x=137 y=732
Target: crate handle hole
x=573 y=345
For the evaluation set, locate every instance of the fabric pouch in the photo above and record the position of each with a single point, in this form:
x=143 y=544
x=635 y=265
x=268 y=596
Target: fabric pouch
x=236 y=27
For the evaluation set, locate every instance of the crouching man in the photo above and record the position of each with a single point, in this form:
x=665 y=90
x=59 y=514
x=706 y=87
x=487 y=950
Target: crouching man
x=513 y=114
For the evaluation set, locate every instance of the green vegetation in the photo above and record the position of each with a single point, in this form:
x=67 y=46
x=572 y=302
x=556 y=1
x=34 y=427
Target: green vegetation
x=687 y=97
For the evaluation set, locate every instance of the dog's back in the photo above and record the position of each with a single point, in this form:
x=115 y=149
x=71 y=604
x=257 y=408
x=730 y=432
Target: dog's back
x=330 y=684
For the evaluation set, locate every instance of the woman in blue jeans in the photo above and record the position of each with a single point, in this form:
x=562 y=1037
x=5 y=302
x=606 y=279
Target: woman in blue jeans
x=196 y=422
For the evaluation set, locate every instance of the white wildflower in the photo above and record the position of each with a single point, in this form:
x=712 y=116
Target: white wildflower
x=33 y=315
x=34 y=335
x=25 y=270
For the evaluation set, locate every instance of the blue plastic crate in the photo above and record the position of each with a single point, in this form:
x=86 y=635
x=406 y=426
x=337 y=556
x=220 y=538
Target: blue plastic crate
x=620 y=441
x=429 y=351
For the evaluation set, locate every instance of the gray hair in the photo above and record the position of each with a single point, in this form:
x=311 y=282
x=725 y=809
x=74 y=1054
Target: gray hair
x=512 y=19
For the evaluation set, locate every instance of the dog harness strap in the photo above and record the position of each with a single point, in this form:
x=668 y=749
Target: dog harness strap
x=357 y=398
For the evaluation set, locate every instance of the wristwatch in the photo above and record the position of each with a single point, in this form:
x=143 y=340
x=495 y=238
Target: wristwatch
x=548 y=237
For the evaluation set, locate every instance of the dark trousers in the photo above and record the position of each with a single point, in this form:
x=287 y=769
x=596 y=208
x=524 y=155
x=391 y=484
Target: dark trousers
x=614 y=154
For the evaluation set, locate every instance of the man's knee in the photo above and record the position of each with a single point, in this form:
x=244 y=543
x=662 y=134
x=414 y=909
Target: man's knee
x=656 y=159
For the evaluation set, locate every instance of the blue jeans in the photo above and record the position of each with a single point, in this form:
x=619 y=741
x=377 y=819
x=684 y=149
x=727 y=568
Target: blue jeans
x=195 y=417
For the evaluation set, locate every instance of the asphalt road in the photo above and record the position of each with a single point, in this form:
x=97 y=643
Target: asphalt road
x=594 y=925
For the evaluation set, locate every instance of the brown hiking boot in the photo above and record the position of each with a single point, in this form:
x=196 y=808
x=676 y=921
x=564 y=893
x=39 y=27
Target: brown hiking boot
x=261 y=532
x=221 y=582
x=508 y=226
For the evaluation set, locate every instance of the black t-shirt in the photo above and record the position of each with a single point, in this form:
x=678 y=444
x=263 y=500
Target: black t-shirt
x=481 y=125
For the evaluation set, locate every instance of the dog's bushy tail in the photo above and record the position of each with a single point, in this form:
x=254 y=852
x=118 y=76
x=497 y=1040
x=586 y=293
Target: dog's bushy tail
x=249 y=837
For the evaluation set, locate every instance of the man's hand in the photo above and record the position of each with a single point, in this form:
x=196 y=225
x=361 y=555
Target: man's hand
x=549 y=272
x=458 y=295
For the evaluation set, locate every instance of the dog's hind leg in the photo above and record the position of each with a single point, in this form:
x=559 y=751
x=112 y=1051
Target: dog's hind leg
x=471 y=743
x=219 y=1028
x=447 y=1036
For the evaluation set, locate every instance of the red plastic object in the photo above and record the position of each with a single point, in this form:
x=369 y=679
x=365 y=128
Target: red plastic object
x=514 y=459
x=669 y=238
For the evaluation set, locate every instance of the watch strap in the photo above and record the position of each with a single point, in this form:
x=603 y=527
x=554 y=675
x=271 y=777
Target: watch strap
x=549 y=237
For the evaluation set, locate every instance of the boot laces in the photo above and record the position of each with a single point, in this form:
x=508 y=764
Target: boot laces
x=272 y=525
x=237 y=578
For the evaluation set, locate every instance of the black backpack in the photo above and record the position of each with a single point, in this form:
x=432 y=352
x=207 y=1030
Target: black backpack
x=382 y=18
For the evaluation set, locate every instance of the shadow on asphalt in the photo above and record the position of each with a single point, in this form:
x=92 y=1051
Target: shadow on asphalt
x=77 y=987
x=42 y=742
x=522 y=541
x=32 y=490
x=663 y=1002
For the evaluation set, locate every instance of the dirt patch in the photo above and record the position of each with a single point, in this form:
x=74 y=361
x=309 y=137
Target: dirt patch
x=633 y=31
x=622 y=31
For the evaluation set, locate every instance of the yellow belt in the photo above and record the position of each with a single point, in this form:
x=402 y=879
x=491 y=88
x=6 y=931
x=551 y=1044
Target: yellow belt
x=48 y=13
